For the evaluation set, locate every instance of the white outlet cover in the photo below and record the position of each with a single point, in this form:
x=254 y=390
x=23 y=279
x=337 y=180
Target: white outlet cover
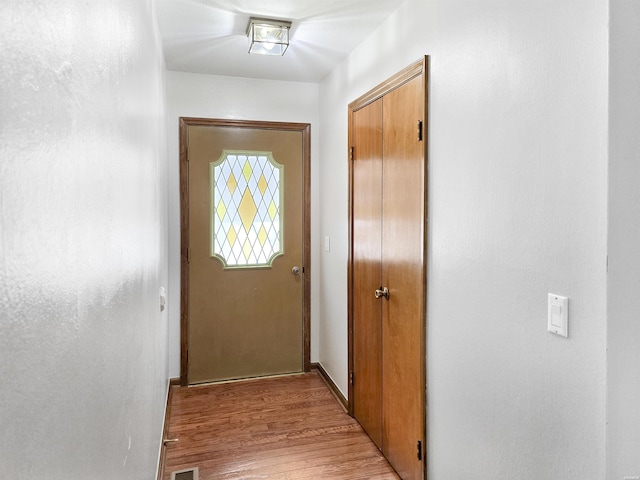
x=558 y=315
x=163 y=299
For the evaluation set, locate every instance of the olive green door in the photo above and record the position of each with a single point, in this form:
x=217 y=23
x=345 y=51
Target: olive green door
x=245 y=251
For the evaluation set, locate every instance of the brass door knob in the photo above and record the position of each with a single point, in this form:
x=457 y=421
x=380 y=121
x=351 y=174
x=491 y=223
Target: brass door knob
x=382 y=292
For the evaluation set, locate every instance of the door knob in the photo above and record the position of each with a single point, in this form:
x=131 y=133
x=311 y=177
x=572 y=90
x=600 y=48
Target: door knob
x=382 y=292
x=295 y=270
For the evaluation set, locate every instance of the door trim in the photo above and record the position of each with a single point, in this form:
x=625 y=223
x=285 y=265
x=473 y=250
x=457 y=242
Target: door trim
x=305 y=129
x=403 y=76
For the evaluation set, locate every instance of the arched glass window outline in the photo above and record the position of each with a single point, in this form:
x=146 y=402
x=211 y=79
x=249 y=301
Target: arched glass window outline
x=246 y=209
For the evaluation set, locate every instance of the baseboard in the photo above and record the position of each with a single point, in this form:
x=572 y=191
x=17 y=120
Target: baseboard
x=332 y=386
x=165 y=426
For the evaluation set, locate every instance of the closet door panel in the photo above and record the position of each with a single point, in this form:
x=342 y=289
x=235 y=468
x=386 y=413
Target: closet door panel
x=367 y=238
x=403 y=273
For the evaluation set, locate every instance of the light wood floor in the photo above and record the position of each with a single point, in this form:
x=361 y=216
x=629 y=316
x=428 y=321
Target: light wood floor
x=281 y=428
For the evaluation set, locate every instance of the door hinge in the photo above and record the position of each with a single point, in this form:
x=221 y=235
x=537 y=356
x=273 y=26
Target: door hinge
x=419 y=130
x=420 y=450
x=350 y=153
x=351 y=378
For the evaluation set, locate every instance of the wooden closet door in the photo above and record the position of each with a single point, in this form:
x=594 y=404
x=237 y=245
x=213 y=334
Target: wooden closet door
x=388 y=251
x=366 y=257
x=403 y=272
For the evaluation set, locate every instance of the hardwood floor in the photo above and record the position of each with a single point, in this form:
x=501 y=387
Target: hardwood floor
x=283 y=428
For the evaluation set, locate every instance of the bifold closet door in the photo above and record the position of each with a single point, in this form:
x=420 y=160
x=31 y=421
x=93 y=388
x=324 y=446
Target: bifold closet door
x=367 y=269
x=388 y=211
x=403 y=272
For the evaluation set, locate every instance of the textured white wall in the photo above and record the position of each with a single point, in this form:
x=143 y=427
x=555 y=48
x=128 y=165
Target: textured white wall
x=83 y=345
x=623 y=352
x=517 y=209
x=207 y=96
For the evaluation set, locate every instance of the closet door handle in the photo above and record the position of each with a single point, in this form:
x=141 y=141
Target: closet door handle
x=382 y=292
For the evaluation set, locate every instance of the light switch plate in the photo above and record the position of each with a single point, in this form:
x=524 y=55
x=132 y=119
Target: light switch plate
x=558 y=315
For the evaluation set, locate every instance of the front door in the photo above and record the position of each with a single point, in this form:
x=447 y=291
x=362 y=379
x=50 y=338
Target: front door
x=245 y=267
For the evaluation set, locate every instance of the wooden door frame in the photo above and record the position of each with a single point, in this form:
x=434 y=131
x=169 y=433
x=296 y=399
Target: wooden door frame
x=305 y=129
x=418 y=68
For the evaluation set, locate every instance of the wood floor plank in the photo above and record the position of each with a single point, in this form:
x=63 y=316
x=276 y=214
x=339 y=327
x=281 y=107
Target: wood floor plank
x=284 y=428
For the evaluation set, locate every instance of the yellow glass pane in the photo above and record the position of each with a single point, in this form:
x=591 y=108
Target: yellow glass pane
x=247 y=210
x=262 y=184
x=273 y=210
x=246 y=249
x=222 y=209
x=247 y=170
x=232 y=183
x=262 y=235
x=232 y=235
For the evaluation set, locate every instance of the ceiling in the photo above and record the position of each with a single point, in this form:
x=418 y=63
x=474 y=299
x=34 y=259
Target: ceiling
x=209 y=36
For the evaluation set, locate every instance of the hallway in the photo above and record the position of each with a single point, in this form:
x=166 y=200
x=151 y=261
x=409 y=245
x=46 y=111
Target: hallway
x=533 y=174
x=281 y=428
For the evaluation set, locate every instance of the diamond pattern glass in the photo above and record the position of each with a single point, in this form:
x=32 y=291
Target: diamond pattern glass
x=246 y=209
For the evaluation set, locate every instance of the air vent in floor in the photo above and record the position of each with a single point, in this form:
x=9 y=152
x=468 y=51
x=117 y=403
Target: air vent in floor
x=188 y=474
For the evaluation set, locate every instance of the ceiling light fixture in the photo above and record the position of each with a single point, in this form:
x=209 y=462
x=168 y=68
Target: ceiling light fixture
x=268 y=37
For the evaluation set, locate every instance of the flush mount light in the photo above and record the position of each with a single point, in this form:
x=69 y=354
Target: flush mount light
x=268 y=37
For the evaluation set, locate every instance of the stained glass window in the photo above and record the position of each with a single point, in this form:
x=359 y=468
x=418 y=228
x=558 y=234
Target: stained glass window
x=246 y=209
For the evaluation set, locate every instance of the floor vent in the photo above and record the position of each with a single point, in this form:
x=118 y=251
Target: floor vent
x=188 y=474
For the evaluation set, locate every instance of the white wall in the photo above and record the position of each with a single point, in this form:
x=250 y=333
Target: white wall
x=623 y=357
x=83 y=250
x=207 y=96
x=517 y=209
